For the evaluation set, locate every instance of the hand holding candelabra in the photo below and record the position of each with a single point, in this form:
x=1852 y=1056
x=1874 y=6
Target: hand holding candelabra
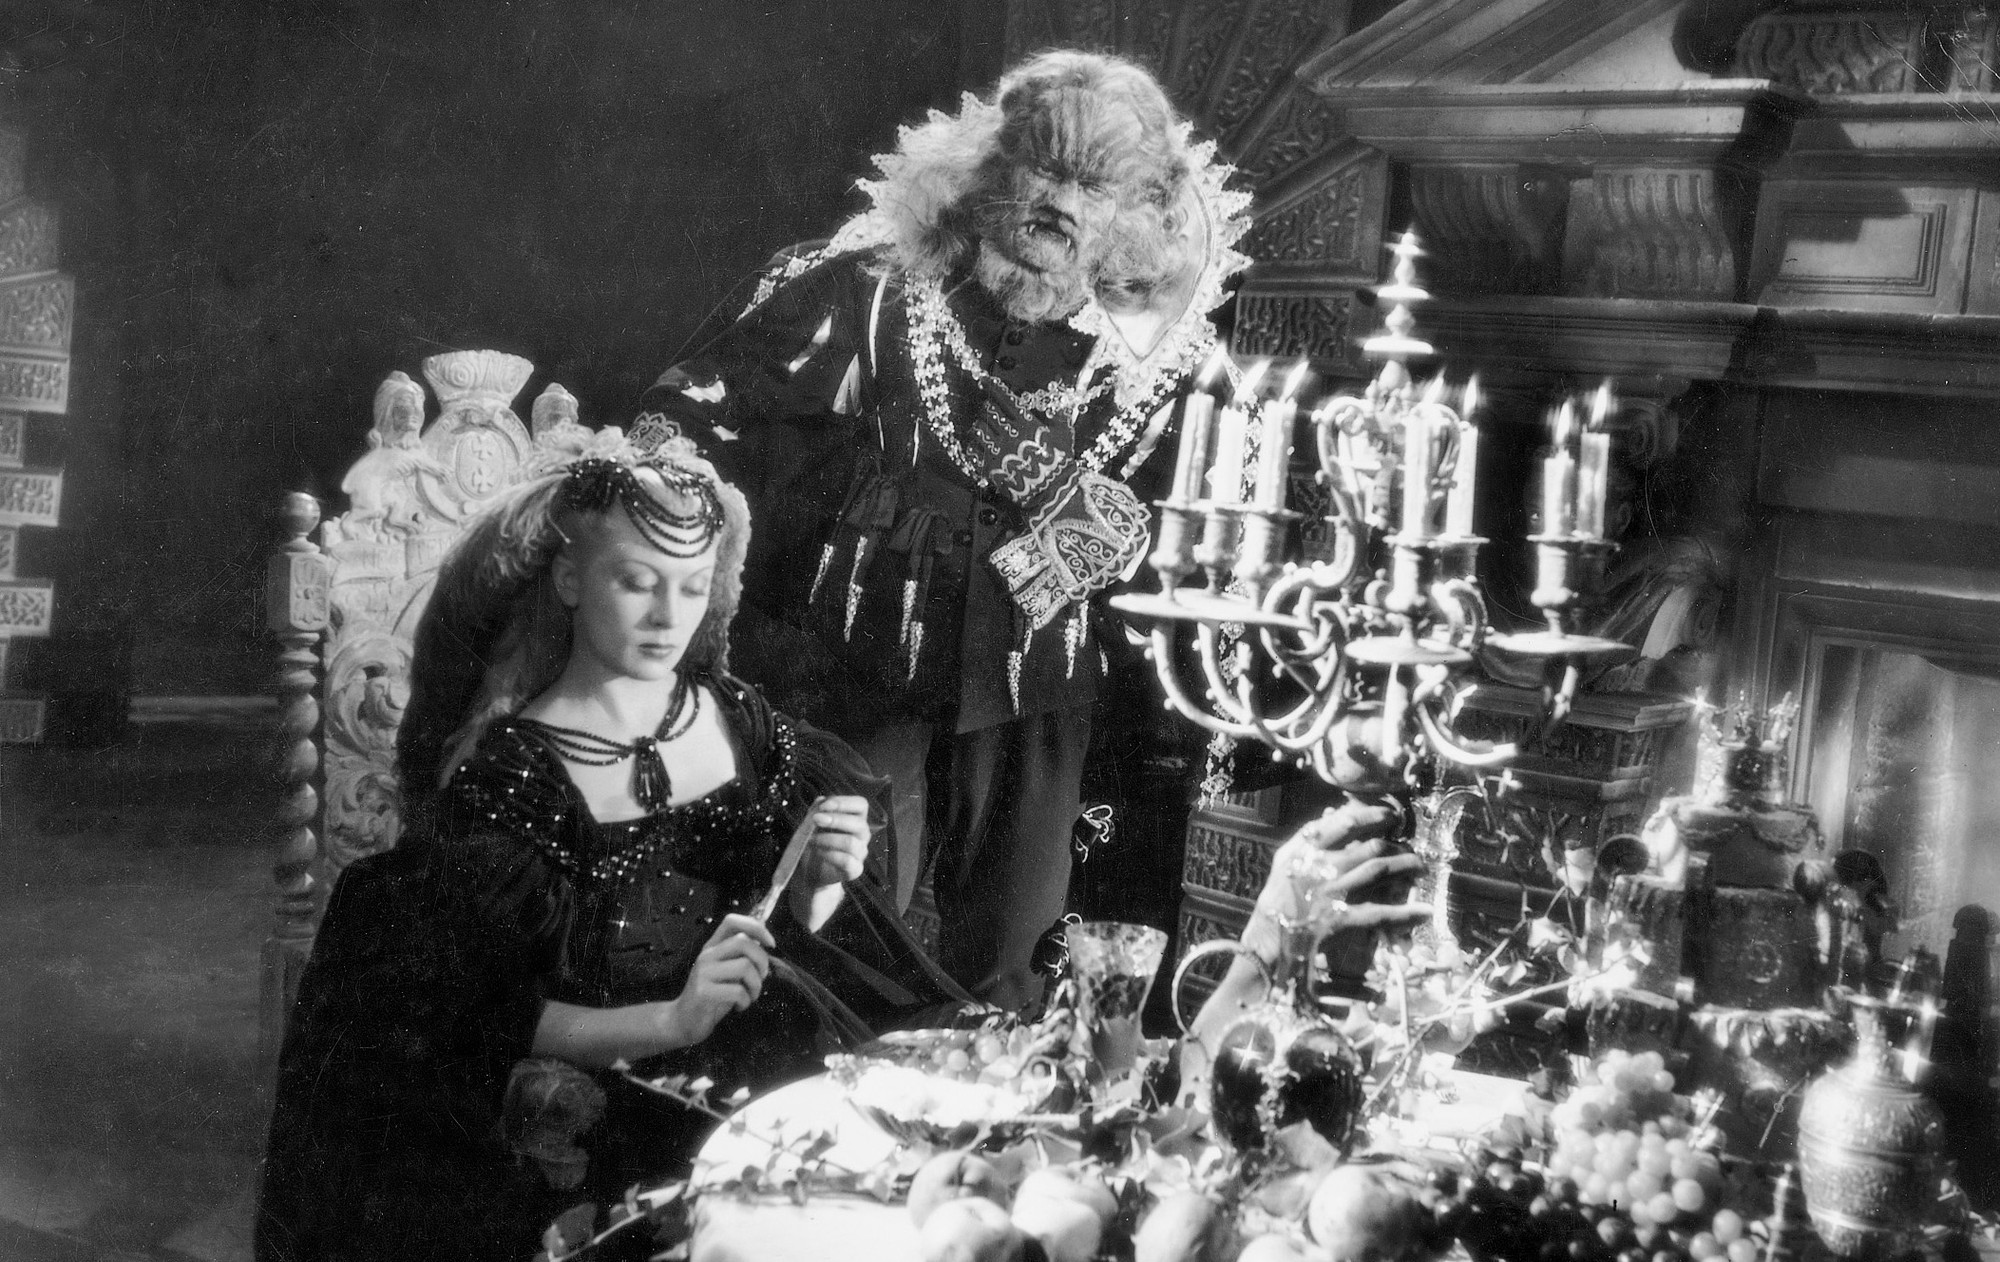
x=1363 y=651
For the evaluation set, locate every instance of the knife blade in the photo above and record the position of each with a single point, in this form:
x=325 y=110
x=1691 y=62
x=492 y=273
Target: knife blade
x=788 y=864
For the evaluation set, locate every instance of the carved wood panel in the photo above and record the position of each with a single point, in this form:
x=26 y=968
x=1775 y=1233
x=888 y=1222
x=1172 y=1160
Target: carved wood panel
x=1863 y=243
x=1836 y=52
x=1291 y=324
x=1650 y=232
x=1334 y=229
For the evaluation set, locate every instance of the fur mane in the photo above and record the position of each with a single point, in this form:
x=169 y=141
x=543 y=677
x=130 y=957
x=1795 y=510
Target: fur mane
x=918 y=204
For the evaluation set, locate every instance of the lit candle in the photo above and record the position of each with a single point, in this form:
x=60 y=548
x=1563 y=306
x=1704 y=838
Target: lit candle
x=1416 y=474
x=1559 y=479
x=1465 y=469
x=1458 y=506
x=1274 y=451
x=1594 y=468
x=1593 y=483
x=1225 y=477
x=1197 y=418
x=1197 y=414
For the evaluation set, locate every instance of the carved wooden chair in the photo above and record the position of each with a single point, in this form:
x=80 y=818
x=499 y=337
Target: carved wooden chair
x=345 y=605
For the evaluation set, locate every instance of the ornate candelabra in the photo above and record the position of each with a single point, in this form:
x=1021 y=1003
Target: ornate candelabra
x=1352 y=664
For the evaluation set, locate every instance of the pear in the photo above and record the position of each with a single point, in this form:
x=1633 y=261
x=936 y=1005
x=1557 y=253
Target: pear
x=971 y=1229
x=949 y=1176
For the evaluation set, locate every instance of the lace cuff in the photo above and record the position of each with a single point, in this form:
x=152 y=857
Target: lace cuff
x=1079 y=543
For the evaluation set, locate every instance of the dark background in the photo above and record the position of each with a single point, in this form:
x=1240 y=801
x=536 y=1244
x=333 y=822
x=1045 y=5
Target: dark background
x=268 y=207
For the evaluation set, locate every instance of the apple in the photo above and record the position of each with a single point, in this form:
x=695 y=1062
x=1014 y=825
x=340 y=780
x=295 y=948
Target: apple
x=1069 y=1229
x=1367 y=1213
x=1183 y=1227
x=949 y=1176
x=971 y=1229
x=1054 y=1181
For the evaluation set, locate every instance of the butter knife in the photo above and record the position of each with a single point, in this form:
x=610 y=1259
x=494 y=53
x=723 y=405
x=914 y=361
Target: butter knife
x=788 y=863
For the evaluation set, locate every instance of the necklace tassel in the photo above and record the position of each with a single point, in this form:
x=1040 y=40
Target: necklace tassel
x=651 y=787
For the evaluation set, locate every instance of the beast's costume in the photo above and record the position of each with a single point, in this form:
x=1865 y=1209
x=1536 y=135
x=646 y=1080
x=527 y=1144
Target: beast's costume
x=944 y=496
x=409 y=1121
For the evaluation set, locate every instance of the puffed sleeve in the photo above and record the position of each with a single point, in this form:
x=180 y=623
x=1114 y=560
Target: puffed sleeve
x=424 y=988
x=795 y=358
x=428 y=975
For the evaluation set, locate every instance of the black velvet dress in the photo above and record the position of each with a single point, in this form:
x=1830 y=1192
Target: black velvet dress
x=396 y=1132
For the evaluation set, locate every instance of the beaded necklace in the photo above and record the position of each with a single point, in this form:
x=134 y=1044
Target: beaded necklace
x=935 y=333
x=652 y=788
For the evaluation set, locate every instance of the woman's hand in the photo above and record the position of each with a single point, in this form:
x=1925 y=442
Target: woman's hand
x=839 y=832
x=727 y=977
x=837 y=847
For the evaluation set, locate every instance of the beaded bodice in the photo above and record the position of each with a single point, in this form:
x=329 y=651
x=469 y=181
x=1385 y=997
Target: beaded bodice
x=642 y=895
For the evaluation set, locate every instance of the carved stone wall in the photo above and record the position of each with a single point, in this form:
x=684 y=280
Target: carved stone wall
x=37 y=310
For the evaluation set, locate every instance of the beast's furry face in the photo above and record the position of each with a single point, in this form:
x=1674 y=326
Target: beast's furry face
x=1080 y=195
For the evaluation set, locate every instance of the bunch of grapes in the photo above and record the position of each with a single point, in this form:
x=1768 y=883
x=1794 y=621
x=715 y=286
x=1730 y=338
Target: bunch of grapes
x=1623 y=1182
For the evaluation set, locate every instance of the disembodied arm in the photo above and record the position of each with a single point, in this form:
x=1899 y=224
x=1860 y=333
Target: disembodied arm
x=1356 y=833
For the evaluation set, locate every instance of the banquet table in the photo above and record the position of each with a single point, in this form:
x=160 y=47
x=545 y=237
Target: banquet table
x=736 y=1226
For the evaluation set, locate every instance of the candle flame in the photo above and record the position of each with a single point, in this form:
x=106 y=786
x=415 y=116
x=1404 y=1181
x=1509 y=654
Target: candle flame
x=1600 y=405
x=1216 y=359
x=1470 y=403
x=1294 y=379
x=1565 y=424
x=1434 y=390
x=1246 y=389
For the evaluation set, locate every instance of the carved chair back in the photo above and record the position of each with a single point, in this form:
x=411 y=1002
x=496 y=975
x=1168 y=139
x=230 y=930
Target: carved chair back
x=346 y=607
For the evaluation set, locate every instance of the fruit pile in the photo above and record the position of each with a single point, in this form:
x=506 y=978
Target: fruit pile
x=1623 y=1182
x=965 y=1212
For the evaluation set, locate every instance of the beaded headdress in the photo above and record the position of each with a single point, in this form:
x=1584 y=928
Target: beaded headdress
x=594 y=483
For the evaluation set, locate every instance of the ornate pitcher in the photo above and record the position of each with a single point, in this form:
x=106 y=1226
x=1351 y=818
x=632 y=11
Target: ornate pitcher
x=1283 y=1060
x=1869 y=1141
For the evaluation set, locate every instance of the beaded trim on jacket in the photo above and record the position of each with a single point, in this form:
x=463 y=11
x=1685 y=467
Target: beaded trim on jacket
x=935 y=333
